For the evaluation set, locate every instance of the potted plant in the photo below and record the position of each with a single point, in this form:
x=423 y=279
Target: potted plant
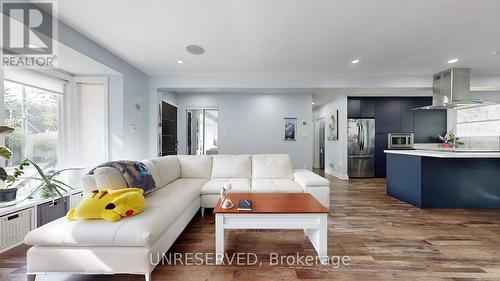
x=49 y=185
x=450 y=140
x=7 y=194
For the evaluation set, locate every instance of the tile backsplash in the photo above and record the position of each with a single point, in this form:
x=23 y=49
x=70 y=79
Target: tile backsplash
x=472 y=143
x=492 y=143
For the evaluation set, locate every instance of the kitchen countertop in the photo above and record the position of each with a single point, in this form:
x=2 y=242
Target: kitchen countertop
x=447 y=154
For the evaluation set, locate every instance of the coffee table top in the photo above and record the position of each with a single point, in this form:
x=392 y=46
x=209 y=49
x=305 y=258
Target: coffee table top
x=274 y=203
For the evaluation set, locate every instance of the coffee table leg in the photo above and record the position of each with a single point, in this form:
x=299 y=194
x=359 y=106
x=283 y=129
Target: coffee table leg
x=319 y=238
x=323 y=239
x=220 y=236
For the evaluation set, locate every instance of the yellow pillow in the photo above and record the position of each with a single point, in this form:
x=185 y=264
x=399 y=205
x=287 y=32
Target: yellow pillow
x=110 y=205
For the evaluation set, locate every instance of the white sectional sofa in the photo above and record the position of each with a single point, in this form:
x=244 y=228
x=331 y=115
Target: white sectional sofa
x=184 y=184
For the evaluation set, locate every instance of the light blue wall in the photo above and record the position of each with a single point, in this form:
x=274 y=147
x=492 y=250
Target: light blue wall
x=125 y=91
x=253 y=123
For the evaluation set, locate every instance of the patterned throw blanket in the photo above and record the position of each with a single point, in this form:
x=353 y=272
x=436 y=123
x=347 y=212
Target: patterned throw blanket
x=136 y=174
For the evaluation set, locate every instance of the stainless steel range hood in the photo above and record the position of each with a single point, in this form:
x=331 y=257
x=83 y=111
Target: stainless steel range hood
x=451 y=90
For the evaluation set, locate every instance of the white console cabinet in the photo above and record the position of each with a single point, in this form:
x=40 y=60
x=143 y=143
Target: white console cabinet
x=13 y=227
x=17 y=220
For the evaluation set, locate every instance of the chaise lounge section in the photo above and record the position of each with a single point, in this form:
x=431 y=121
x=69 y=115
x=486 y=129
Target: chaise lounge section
x=184 y=185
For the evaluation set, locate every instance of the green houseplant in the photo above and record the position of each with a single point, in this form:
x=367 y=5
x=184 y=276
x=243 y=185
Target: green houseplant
x=49 y=185
x=7 y=194
x=450 y=140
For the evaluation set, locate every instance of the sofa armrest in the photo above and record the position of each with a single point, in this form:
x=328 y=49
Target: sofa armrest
x=317 y=186
x=307 y=178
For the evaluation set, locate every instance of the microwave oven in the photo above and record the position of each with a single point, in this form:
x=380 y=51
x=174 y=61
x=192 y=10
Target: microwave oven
x=400 y=141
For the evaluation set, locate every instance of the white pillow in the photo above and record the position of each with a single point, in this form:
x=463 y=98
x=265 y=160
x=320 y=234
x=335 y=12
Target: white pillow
x=167 y=170
x=232 y=166
x=195 y=166
x=272 y=166
x=109 y=178
x=88 y=183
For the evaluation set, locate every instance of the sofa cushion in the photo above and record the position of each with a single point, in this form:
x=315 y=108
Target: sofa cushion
x=195 y=166
x=214 y=186
x=167 y=170
x=109 y=178
x=88 y=183
x=175 y=189
x=152 y=169
x=276 y=185
x=307 y=178
x=232 y=166
x=163 y=207
x=272 y=166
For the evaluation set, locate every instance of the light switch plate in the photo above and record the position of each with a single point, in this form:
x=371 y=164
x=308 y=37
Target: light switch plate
x=133 y=128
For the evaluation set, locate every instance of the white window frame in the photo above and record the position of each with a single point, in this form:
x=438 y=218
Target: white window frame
x=68 y=97
x=62 y=108
x=101 y=80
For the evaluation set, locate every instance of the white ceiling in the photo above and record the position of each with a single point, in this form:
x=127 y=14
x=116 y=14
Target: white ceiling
x=390 y=37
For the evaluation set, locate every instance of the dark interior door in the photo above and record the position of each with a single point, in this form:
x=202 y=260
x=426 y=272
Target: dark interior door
x=189 y=141
x=168 y=129
x=322 y=144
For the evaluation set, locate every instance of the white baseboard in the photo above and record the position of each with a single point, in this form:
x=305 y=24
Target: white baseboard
x=337 y=175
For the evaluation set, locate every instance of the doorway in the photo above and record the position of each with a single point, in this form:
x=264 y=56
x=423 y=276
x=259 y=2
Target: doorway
x=322 y=144
x=202 y=131
x=319 y=152
x=168 y=129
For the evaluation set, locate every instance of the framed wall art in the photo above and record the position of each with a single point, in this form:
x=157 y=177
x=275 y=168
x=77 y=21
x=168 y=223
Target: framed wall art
x=333 y=126
x=290 y=126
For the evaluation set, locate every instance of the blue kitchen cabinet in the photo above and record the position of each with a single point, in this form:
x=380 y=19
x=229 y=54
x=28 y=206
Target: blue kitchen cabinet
x=367 y=108
x=353 y=108
x=388 y=115
x=396 y=115
x=361 y=108
x=407 y=112
x=380 y=146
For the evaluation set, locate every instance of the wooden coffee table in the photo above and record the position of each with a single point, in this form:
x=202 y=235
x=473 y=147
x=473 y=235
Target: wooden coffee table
x=274 y=211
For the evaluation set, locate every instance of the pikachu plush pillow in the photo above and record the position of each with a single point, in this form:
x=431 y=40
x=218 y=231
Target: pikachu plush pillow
x=109 y=205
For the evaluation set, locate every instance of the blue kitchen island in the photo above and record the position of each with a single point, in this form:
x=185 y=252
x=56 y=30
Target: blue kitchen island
x=444 y=179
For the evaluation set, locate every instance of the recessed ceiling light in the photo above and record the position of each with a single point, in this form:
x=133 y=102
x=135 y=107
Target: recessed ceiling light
x=453 y=61
x=355 y=61
x=496 y=52
x=312 y=103
x=180 y=61
x=195 y=49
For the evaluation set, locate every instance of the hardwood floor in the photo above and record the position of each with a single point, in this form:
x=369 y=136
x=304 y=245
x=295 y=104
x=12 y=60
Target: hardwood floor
x=385 y=239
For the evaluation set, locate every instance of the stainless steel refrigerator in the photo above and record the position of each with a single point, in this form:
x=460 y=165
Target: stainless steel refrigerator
x=361 y=148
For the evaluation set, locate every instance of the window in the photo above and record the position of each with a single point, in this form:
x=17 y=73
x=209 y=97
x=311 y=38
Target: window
x=58 y=122
x=32 y=104
x=479 y=121
x=34 y=113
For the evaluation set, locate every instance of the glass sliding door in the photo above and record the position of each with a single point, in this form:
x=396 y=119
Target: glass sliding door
x=202 y=131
